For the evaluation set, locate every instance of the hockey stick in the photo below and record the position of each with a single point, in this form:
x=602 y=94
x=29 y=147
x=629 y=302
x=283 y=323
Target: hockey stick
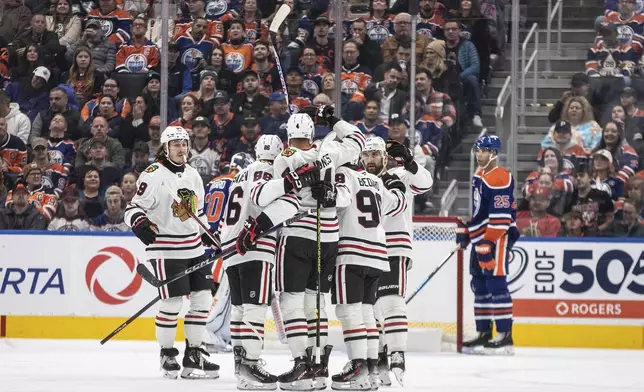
x=317 y=291
x=129 y=321
x=154 y=281
x=420 y=287
x=278 y=20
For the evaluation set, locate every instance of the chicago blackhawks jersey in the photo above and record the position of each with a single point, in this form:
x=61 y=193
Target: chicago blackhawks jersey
x=179 y=235
x=217 y=191
x=133 y=58
x=494 y=209
x=252 y=192
x=328 y=154
x=399 y=228
x=362 y=202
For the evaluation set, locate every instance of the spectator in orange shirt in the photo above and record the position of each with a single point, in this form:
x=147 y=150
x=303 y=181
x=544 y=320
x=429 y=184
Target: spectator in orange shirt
x=536 y=222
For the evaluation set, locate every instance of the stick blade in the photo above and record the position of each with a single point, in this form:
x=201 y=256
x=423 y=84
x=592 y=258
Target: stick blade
x=147 y=275
x=280 y=17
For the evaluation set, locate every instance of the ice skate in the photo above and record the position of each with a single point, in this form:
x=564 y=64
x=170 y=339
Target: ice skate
x=354 y=377
x=169 y=364
x=321 y=371
x=374 y=374
x=502 y=344
x=397 y=365
x=475 y=345
x=195 y=366
x=253 y=377
x=300 y=378
x=383 y=368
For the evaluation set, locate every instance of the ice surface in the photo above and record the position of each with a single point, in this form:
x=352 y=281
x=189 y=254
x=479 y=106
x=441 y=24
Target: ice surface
x=86 y=366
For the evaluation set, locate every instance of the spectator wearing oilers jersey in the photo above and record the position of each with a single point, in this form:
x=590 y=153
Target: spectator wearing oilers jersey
x=625 y=158
x=379 y=25
x=40 y=195
x=269 y=78
x=254 y=28
x=138 y=54
x=298 y=97
x=627 y=15
x=432 y=18
x=13 y=152
x=193 y=46
x=61 y=148
x=370 y=52
x=312 y=71
x=371 y=124
x=54 y=174
x=116 y=24
x=238 y=52
x=249 y=102
x=214 y=30
x=355 y=77
x=202 y=157
x=402 y=26
x=21 y=214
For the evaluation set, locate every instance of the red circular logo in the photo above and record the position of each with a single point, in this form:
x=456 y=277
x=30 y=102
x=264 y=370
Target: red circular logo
x=112 y=254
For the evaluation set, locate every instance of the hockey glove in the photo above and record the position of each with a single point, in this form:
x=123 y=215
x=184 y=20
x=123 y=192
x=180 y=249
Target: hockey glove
x=392 y=181
x=302 y=177
x=485 y=254
x=145 y=230
x=325 y=112
x=462 y=237
x=211 y=240
x=325 y=193
x=397 y=150
x=249 y=233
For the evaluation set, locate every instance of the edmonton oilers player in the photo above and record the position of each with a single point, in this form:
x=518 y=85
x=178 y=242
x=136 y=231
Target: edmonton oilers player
x=218 y=326
x=492 y=232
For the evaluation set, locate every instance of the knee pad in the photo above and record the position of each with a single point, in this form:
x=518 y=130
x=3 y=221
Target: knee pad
x=310 y=303
x=254 y=313
x=292 y=305
x=171 y=305
x=497 y=285
x=368 y=314
x=349 y=315
x=392 y=305
x=200 y=300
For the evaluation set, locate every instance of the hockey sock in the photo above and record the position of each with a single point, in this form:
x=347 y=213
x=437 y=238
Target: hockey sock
x=311 y=319
x=497 y=286
x=236 y=324
x=394 y=312
x=166 y=321
x=379 y=324
x=292 y=306
x=252 y=332
x=482 y=304
x=194 y=324
x=372 y=331
x=353 y=329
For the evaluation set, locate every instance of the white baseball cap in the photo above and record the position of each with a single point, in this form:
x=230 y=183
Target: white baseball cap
x=42 y=72
x=606 y=154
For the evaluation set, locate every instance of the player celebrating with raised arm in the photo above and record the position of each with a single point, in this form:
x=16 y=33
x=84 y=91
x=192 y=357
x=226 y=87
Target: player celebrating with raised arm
x=297 y=258
x=492 y=232
x=362 y=201
x=390 y=306
x=174 y=243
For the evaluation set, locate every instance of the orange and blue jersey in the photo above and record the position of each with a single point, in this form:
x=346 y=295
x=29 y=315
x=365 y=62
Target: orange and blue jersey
x=216 y=199
x=116 y=26
x=494 y=205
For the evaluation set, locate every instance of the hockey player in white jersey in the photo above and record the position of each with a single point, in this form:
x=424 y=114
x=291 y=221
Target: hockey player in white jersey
x=362 y=201
x=174 y=243
x=256 y=203
x=296 y=270
x=390 y=306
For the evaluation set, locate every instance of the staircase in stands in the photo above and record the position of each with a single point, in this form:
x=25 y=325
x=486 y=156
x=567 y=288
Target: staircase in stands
x=578 y=35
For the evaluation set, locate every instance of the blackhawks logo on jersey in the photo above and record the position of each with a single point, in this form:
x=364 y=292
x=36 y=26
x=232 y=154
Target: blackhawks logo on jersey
x=151 y=168
x=288 y=152
x=188 y=203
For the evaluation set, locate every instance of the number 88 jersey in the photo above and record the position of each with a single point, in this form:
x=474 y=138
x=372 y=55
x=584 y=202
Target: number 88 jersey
x=362 y=201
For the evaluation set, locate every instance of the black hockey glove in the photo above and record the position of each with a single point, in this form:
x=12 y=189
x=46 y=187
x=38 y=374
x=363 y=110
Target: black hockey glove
x=325 y=193
x=145 y=230
x=392 y=181
x=397 y=150
x=249 y=233
x=211 y=239
x=302 y=177
x=325 y=112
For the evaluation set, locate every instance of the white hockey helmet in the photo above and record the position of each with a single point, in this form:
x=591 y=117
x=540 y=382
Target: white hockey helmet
x=240 y=161
x=174 y=133
x=300 y=126
x=268 y=147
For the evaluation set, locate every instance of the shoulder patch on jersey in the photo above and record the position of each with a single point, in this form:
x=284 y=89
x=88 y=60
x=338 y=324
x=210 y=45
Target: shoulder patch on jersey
x=289 y=151
x=152 y=168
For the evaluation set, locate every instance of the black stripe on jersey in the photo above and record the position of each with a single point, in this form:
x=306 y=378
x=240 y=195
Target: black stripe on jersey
x=135 y=217
x=165 y=326
x=399 y=246
x=360 y=240
x=223 y=244
x=352 y=338
x=194 y=322
x=290 y=202
x=349 y=253
x=169 y=314
x=152 y=248
x=177 y=235
x=313 y=216
x=133 y=206
x=401 y=202
x=388 y=233
x=323 y=231
x=259 y=192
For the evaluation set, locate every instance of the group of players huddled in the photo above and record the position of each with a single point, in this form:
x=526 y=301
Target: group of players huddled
x=359 y=250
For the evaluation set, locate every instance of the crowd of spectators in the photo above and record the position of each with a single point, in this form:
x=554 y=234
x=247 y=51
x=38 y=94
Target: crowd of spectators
x=80 y=94
x=589 y=180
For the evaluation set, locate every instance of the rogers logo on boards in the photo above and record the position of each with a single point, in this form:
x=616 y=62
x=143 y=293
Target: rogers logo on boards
x=112 y=254
x=563 y=308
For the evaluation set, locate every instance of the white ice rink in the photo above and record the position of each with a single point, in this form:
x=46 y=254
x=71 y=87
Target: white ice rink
x=120 y=366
